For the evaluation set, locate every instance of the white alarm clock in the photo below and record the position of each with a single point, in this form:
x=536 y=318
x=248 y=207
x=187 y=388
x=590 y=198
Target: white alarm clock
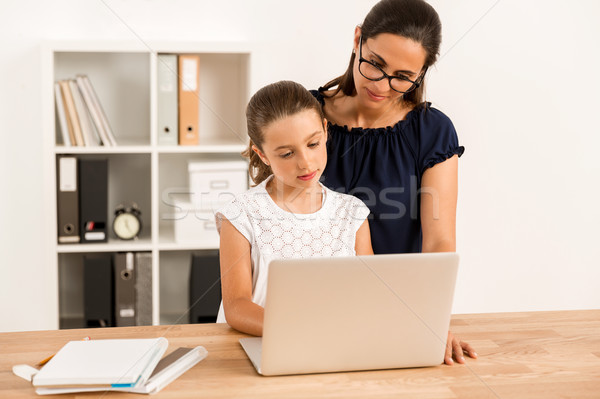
x=127 y=223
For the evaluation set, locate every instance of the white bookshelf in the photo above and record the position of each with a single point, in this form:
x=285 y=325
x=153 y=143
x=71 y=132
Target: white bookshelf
x=124 y=77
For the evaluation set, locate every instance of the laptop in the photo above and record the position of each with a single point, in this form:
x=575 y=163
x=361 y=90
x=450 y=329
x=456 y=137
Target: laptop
x=355 y=313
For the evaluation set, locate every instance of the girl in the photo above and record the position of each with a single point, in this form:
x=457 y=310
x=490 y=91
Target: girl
x=288 y=214
x=389 y=147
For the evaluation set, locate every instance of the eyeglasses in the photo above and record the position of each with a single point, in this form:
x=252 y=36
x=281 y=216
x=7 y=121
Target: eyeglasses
x=373 y=72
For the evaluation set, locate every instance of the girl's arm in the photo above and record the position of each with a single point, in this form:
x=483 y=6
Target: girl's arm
x=363 y=240
x=439 y=191
x=236 y=282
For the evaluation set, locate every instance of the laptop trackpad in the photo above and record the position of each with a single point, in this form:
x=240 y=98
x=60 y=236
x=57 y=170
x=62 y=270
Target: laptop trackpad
x=253 y=348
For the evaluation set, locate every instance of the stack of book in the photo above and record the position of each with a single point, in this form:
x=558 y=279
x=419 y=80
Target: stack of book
x=126 y=365
x=81 y=118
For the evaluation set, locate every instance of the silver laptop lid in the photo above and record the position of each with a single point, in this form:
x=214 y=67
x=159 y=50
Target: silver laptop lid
x=357 y=313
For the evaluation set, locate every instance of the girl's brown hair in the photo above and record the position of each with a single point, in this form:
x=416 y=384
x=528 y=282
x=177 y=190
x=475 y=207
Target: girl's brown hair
x=272 y=103
x=412 y=19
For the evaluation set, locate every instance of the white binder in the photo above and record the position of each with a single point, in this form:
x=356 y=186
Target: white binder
x=167 y=99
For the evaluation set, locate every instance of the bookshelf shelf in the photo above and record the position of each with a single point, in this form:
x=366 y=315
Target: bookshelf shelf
x=113 y=245
x=124 y=75
x=122 y=149
x=206 y=149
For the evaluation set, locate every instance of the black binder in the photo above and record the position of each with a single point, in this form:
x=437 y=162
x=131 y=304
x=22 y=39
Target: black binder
x=98 y=290
x=125 y=276
x=205 y=288
x=93 y=200
x=67 y=199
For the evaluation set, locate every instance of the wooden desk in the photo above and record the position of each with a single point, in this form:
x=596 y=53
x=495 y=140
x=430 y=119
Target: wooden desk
x=521 y=355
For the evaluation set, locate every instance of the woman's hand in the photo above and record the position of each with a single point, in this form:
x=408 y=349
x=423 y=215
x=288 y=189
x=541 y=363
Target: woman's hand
x=457 y=348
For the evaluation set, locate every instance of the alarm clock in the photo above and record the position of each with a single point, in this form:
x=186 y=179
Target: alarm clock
x=127 y=223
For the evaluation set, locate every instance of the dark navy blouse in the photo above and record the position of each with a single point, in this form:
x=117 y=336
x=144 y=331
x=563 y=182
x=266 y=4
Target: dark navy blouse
x=383 y=167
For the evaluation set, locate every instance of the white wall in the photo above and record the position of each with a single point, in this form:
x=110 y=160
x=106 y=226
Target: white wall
x=519 y=79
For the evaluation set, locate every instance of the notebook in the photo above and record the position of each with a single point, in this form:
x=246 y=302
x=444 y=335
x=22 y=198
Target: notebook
x=355 y=313
x=166 y=371
x=109 y=363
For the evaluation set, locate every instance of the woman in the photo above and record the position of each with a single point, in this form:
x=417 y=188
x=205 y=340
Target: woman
x=386 y=145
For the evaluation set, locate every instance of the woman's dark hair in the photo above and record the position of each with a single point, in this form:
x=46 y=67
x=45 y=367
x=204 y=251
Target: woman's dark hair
x=412 y=19
x=272 y=103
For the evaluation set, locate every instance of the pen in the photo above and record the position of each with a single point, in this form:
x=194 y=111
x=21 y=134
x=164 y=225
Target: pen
x=46 y=360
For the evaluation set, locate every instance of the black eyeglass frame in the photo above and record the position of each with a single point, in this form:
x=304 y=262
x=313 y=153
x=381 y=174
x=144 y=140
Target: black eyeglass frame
x=415 y=83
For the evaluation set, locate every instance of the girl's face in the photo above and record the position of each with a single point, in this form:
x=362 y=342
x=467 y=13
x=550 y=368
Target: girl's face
x=395 y=55
x=295 y=149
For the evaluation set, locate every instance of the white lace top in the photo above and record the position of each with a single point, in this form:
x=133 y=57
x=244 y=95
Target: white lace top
x=274 y=233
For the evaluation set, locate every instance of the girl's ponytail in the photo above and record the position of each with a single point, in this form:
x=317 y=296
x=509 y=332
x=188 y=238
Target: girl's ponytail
x=257 y=169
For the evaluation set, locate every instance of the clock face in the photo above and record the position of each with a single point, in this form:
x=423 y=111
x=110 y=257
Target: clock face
x=126 y=226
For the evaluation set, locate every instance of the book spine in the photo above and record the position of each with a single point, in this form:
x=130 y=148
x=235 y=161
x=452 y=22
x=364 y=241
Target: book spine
x=91 y=106
x=71 y=113
x=103 y=118
x=61 y=115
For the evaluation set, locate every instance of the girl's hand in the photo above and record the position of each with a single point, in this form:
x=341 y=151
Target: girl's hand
x=457 y=348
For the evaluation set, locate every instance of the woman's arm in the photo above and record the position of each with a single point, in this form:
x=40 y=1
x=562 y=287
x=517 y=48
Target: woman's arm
x=236 y=282
x=363 y=240
x=439 y=190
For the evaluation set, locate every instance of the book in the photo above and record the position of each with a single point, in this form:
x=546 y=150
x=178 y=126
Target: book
x=71 y=112
x=108 y=363
x=167 y=370
x=94 y=114
x=103 y=120
x=87 y=128
x=61 y=115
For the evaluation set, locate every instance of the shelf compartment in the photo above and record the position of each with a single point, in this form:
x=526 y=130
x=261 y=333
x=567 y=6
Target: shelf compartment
x=122 y=84
x=174 y=274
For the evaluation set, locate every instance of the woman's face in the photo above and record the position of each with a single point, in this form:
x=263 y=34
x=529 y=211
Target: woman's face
x=395 y=55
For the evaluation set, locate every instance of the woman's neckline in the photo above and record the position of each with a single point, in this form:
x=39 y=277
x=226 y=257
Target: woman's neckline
x=386 y=128
x=324 y=201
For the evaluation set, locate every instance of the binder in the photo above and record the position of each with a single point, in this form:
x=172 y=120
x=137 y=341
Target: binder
x=67 y=200
x=98 y=290
x=167 y=89
x=125 y=289
x=61 y=116
x=87 y=129
x=93 y=199
x=71 y=112
x=143 y=288
x=189 y=99
x=205 y=288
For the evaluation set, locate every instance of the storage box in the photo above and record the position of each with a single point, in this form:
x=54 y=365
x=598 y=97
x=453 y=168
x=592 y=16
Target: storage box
x=195 y=226
x=213 y=184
